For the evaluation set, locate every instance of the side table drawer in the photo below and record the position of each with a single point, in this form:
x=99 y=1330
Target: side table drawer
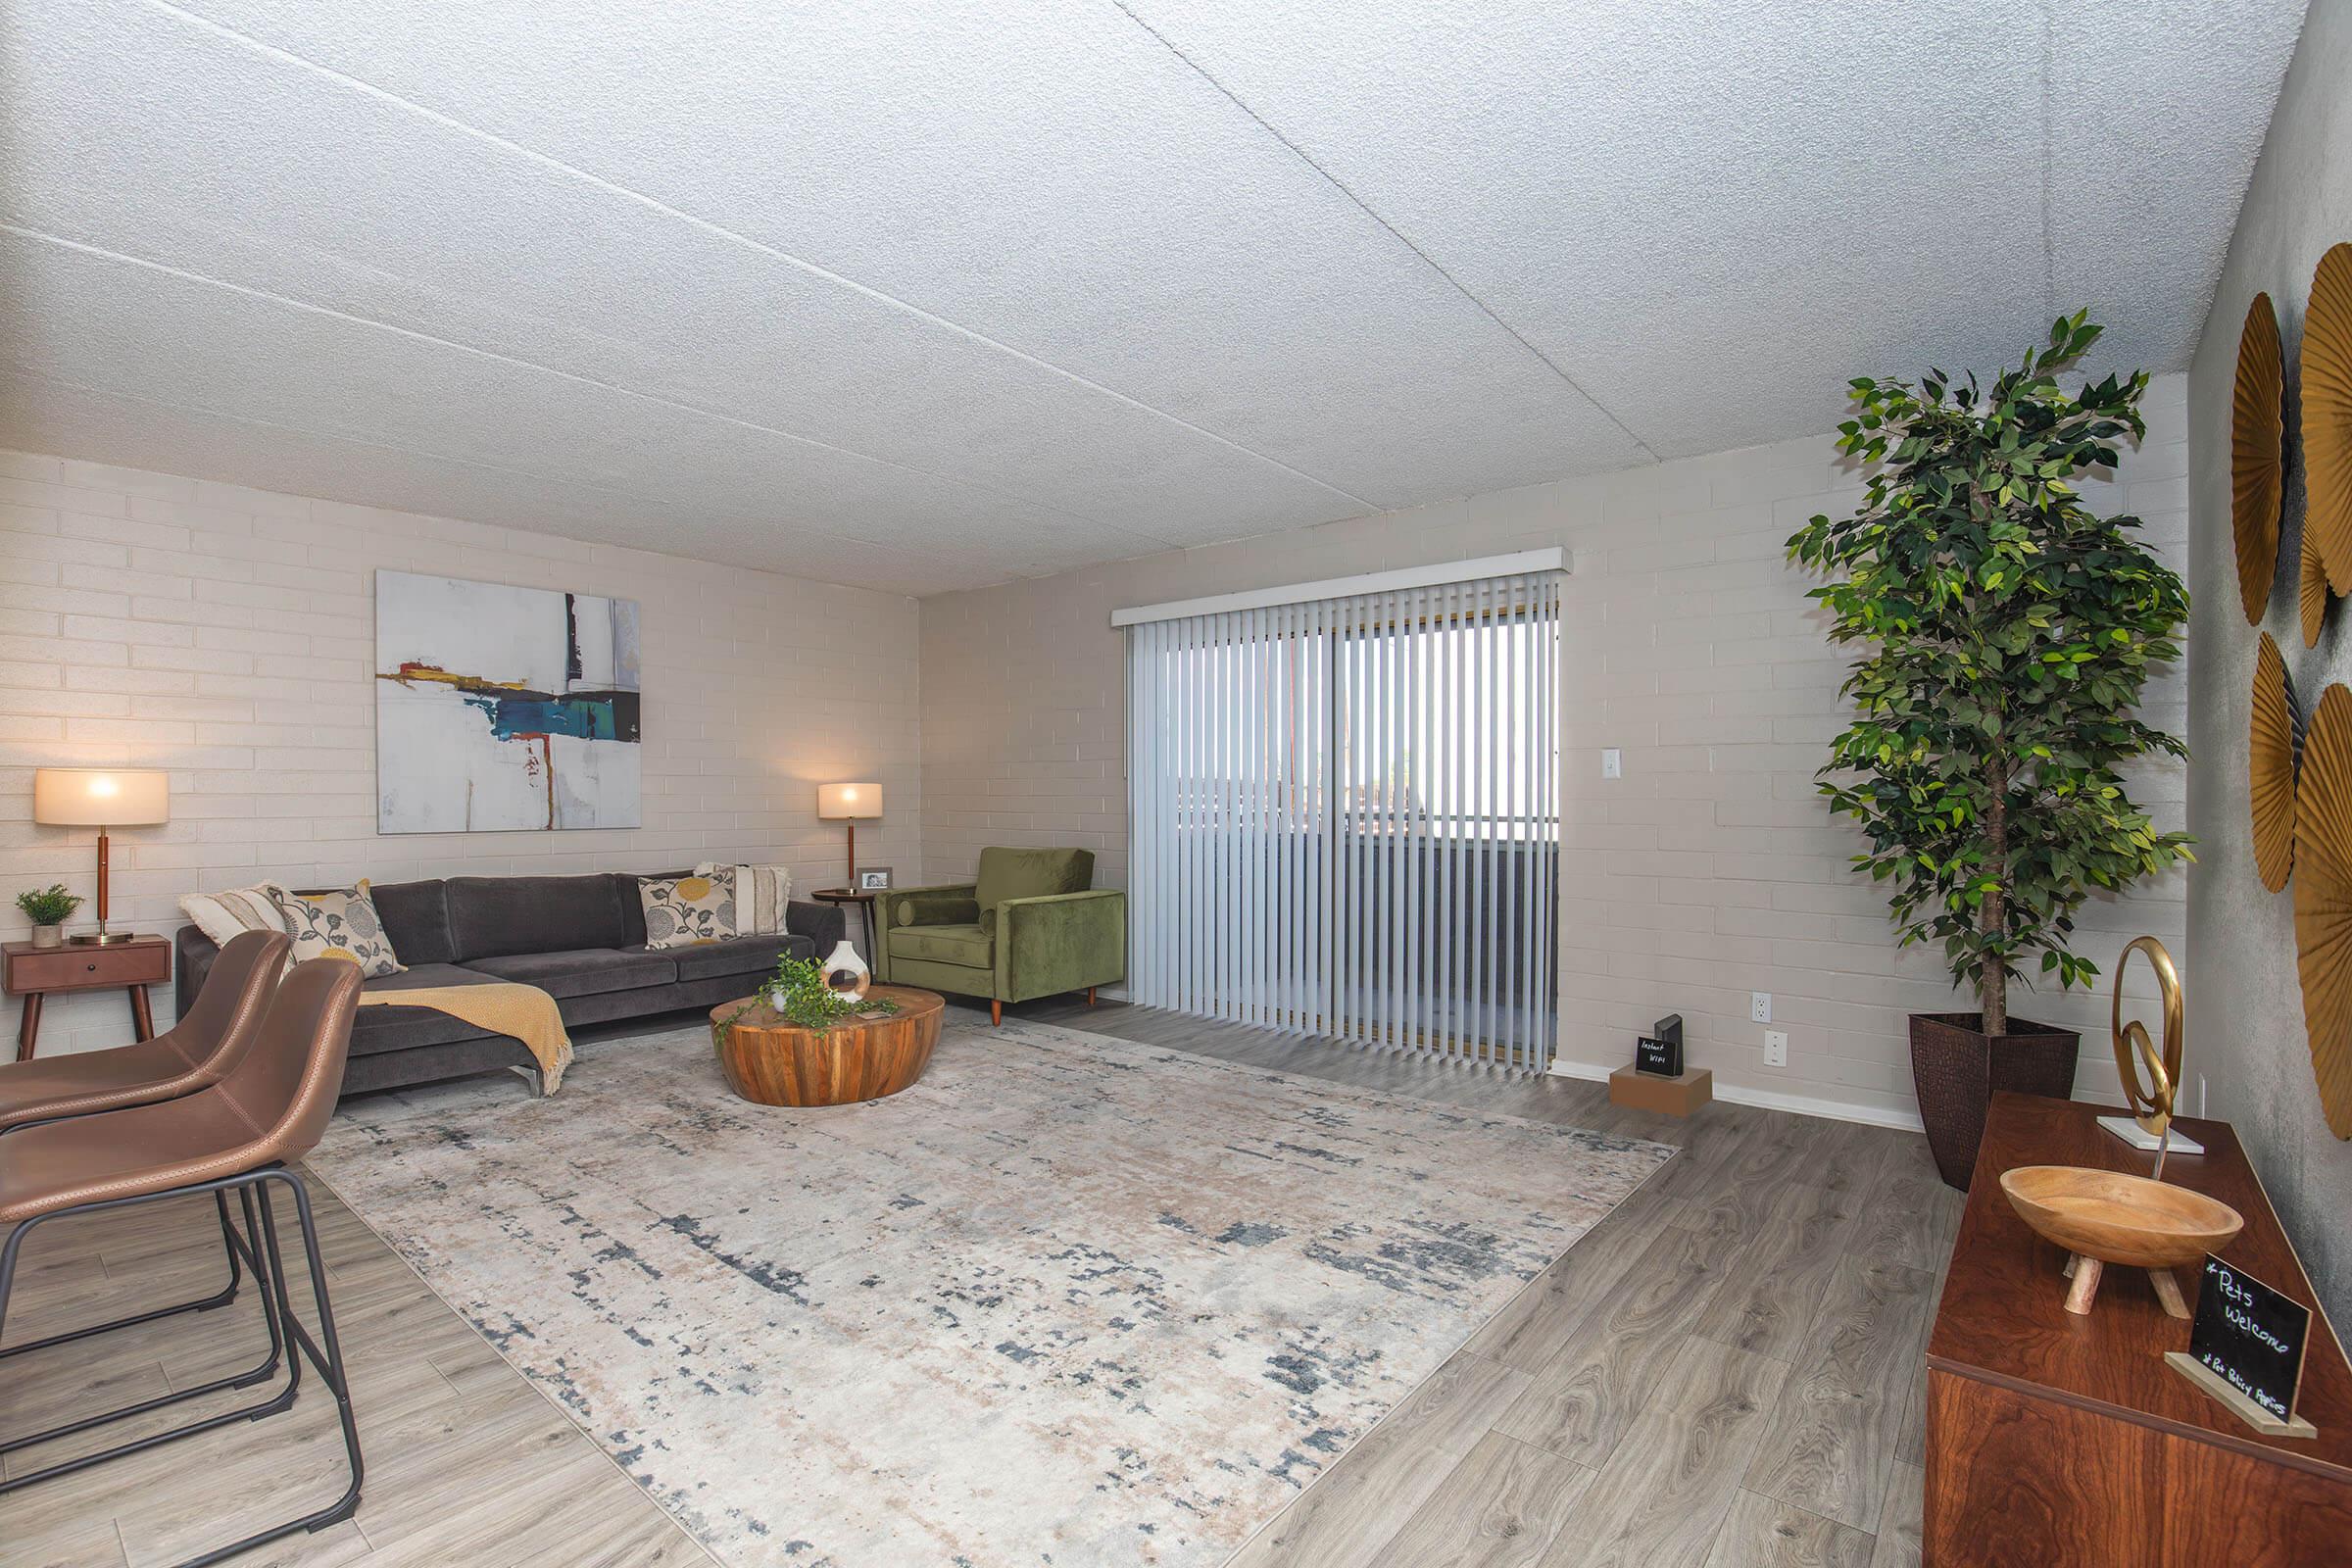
x=71 y=968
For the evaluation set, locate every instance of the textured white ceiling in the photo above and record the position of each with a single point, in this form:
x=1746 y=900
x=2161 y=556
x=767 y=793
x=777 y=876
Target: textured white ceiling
x=929 y=296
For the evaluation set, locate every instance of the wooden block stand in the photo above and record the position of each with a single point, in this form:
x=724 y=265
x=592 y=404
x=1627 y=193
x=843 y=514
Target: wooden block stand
x=1678 y=1096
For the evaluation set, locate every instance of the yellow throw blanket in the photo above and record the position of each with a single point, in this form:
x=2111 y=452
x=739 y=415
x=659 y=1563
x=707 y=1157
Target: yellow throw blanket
x=504 y=1007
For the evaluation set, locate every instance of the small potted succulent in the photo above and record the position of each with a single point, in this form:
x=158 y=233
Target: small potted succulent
x=48 y=908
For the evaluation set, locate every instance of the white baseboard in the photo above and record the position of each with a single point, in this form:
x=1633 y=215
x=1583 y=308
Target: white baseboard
x=1768 y=1098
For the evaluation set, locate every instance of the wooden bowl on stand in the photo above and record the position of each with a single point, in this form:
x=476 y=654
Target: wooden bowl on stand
x=2104 y=1216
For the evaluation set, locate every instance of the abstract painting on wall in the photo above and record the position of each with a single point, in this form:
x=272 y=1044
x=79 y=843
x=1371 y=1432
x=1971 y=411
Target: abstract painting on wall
x=500 y=708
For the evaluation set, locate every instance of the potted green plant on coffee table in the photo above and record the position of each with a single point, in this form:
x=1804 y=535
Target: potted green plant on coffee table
x=2011 y=631
x=801 y=994
x=48 y=908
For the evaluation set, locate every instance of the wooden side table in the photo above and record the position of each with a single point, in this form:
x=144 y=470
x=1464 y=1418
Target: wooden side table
x=35 y=973
x=866 y=904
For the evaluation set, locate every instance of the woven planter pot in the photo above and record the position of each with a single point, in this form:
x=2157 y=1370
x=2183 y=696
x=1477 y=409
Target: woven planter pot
x=1955 y=1070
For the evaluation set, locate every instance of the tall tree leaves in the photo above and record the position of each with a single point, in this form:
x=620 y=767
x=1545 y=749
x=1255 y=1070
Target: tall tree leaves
x=2011 y=634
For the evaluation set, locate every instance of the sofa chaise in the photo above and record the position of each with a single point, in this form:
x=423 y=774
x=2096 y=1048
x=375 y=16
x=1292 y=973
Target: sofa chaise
x=581 y=939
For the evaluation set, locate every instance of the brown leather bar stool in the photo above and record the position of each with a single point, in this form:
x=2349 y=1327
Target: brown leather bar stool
x=194 y=1053
x=239 y=1135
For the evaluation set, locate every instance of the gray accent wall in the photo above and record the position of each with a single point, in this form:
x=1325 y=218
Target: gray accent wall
x=2246 y=1037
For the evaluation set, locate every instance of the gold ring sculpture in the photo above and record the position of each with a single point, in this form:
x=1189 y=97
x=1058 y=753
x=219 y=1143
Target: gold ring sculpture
x=2153 y=1110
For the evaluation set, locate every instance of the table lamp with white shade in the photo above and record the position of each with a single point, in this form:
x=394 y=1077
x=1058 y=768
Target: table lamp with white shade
x=101 y=798
x=851 y=804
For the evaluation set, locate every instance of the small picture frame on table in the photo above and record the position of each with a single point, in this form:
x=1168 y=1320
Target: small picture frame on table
x=873 y=879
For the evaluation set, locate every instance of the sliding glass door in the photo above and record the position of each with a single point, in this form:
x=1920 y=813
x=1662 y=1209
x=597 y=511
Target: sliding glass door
x=1346 y=819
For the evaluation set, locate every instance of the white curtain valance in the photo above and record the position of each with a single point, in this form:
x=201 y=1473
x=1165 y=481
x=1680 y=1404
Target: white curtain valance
x=1554 y=559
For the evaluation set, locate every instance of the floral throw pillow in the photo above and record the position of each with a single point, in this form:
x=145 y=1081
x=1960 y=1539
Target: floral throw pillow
x=338 y=924
x=681 y=912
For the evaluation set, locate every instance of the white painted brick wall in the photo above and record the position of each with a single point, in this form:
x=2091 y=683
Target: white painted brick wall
x=228 y=635
x=1709 y=870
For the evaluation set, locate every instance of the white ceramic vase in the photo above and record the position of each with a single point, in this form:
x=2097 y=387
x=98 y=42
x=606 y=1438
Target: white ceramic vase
x=845 y=972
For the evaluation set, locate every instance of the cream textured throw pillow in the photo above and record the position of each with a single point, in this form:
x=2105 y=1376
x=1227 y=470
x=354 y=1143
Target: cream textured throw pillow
x=222 y=915
x=339 y=924
x=761 y=894
x=681 y=912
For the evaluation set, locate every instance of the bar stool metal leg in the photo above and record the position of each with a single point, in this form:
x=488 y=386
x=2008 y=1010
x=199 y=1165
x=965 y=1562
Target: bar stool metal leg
x=250 y=1245
x=236 y=1246
x=289 y=1339
x=325 y=1353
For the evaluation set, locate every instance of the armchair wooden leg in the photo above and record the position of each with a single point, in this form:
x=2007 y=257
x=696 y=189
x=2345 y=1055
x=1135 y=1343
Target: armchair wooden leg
x=996 y=1011
x=1090 y=996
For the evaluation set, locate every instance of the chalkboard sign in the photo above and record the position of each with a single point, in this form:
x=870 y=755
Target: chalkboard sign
x=1661 y=1051
x=2250 y=1336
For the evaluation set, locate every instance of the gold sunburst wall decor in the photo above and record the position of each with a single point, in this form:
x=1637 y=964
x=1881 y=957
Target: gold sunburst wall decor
x=2327 y=415
x=2311 y=590
x=2323 y=902
x=2270 y=767
x=2257 y=456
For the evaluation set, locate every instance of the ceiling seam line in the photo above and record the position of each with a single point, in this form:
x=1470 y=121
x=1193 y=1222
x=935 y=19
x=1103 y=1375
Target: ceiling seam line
x=898 y=551
x=904 y=553
x=720 y=230
x=36 y=373
x=291 y=303
x=1392 y=230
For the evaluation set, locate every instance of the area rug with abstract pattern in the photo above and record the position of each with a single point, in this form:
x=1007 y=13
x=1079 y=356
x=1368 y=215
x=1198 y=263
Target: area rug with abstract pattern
x=1069 y=1300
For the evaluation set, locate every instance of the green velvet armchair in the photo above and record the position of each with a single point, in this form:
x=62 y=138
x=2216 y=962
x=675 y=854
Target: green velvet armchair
x=1032 y=926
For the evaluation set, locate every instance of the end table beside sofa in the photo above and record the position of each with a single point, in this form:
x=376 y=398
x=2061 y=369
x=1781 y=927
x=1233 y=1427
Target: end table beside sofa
x=34 y=972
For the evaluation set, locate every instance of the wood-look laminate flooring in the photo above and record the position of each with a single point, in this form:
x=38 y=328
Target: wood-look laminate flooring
x=1725 y=1373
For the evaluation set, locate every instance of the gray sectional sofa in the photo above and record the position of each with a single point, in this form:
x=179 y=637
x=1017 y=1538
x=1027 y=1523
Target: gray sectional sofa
x=581 y=939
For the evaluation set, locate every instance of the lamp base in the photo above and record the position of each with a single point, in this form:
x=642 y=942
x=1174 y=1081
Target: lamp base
x=99 y=939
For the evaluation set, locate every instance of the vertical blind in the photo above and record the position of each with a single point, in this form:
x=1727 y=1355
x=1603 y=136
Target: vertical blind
x=1345 y=817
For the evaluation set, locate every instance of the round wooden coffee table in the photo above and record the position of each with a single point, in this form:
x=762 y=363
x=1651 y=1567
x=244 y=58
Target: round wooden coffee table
x=772 y=1063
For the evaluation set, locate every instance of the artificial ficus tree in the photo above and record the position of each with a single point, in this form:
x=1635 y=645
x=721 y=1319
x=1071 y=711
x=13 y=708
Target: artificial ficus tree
x=2011 y=631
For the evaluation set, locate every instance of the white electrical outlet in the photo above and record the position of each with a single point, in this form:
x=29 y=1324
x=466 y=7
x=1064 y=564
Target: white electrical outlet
x=1776 y=1047
x=1759 y=1007
x=1612 y=765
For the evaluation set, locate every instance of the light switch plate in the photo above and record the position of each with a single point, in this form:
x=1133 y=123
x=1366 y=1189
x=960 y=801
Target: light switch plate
x=1759 y=1007
x=1612 y=765
x=1776 y=1047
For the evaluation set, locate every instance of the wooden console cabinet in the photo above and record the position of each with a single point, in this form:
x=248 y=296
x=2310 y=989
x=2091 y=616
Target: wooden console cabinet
x=2058 y=1440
